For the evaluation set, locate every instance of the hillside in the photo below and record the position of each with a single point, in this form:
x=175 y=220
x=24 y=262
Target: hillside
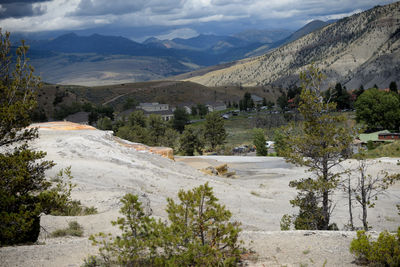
x=99 y=59
x=361 y=49
x=171 y=92
x=306 y=29
x=96 y=69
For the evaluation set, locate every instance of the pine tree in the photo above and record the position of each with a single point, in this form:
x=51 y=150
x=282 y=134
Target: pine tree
x=259 y=142
x=22 y=185
x=191 y=141
x=215 y=133
x=320 y=146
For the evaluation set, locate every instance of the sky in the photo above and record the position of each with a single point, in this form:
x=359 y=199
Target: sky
x=168 y=19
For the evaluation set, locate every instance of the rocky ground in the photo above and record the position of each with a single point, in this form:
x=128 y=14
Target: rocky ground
x=104 y=170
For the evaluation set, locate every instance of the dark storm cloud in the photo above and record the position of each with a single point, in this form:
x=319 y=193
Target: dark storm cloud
x=18 y=9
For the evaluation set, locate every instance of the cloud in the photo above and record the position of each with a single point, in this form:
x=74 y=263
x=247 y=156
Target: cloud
x=174 y=15
x=18 y=9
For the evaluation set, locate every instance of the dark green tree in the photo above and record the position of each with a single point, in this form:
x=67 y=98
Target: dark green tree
x=104 y=123
x=191 y=141
x=214 y=130
x=259 y=142
x=319 y=146
x=24 y=191
x=170 y=138
x=181 y=118
x=129 y=103
x=282 y=101
x=202 y=110
x=193 y=110
x=280 y=145
x=137 y=118
x=264 y=103
x=378 y=109
x=393 y=87
x=156 y=128
x=359 y=91
x=134 y=133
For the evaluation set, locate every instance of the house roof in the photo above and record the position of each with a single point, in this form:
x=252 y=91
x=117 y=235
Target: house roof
x=364 y=138
x=389 y=134
x=256 y=98
x=215 y=104
x=150 y=104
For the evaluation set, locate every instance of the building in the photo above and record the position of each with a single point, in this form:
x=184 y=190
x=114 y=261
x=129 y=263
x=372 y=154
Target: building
x=155 y=106
x=186 y=106
x=389 y=136
x=166 y=115
x=378 y=137
x=217 y=106
x=258 y=101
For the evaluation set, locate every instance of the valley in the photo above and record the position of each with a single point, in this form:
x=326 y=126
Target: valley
x=290 y=113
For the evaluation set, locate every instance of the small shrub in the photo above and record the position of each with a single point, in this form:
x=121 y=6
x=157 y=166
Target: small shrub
x=62 y=204
x=89 y=210
x=199 y=234
x=93 y=261
x=286 y=221
x=385 y=251
x=74 y=229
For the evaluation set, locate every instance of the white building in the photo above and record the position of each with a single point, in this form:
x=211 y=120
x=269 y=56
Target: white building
x=151 y=107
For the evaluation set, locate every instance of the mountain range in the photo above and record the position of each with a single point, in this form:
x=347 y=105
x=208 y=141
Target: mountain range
x=99 y=59
x=363 y=49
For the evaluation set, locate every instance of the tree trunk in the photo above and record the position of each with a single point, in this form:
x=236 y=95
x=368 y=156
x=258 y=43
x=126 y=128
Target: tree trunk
x=325 y=210
x=364 y=201
x=364 y=216
x=325 y=197
x=350 y=205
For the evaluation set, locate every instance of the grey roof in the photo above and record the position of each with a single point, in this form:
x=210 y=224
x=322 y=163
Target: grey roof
x=126 y=112
x=150 y=104
x=256 y=98
x=215 y=104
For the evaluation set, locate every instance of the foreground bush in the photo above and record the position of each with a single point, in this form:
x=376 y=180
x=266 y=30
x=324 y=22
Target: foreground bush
x=198 y=234
x=385 y=251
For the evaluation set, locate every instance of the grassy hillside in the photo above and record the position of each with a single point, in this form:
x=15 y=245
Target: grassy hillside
x=386 y=150
x=171 y=92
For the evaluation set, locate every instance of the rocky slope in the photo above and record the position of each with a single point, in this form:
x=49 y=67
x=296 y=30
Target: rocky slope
x=361 y=49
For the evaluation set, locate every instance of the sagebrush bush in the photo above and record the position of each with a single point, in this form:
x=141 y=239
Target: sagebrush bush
x=385 y=251
x=74 y=229
x=199 y=233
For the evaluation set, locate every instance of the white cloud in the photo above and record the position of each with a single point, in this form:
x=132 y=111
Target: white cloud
x=81 y=14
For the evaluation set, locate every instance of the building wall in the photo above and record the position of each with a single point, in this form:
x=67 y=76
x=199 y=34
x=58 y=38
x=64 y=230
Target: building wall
x=389 y=137
x=150 y=107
